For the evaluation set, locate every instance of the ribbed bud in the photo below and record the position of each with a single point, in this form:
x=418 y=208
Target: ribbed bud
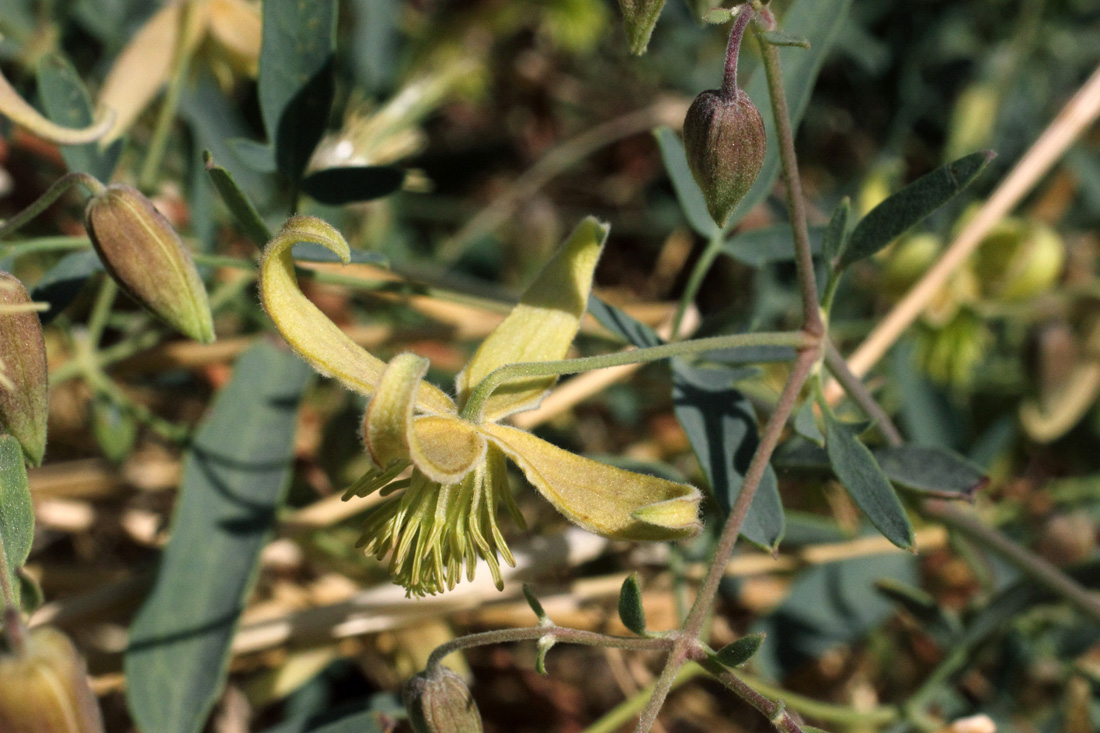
x=639 y=18
x=45 y=689
x=146 y=257
x=23 y=396
x=438 y=701
x=724 y=137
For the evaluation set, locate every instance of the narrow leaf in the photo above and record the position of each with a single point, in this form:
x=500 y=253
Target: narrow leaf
x=60 y=285
x=932 y=470
x=234 y=479
x=688 y=194
x=909 y=206
x=623 y=325
x=296 y=84
x=630 y=605
x=533 y=602
x=866 y=483
x=721 y=424
x=805 y=424
x=764 y=246
x=836 y=234
x=921 y=604
x=16 y=510
x=740 y=651
x=67 y=103
x=238 y=203
x=339 y=186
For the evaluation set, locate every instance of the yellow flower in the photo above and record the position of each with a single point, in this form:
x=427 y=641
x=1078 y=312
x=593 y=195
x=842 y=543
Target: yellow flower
x=446 y=517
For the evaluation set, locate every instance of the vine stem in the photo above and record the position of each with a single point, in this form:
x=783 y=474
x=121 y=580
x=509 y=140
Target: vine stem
x=61 y=186
x=552 y=632
x=475 y=404
x=804 y=367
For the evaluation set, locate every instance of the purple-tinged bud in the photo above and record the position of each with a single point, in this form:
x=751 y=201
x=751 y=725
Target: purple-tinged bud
x=24 y=404
x=145 y=256
x=44 y=689
x=438 y=701
x=724 y=136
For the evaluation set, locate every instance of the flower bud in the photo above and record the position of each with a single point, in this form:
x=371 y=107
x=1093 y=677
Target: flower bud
x=724 y=137
x=45 y=688
x=145 y=256
x=639 y=17
x=1020 y=259
x=23 y=393
x=438 y=701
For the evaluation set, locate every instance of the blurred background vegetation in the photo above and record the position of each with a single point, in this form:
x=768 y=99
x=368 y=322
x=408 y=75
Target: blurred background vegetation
x=514 y=118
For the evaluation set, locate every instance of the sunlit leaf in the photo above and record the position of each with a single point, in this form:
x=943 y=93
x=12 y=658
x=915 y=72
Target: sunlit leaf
x=234 y=479
x=867 y=484
x=721 y=425
x=911 y=205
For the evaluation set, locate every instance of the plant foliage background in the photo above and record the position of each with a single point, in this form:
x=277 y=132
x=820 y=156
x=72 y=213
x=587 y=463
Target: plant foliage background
x=190 y=534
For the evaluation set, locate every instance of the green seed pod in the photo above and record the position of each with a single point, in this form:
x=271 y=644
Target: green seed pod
x=1020 y=259
x=145 y=256
x=45 y=688
x=438 y=701
x=23 y=396
x=639 y=18
x=724 y=136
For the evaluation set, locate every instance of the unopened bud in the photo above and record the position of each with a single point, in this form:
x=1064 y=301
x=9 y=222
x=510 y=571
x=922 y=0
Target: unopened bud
x=438 y=701
x=146 y=257
x=639 y=17
x=724 y=136
x=23 y=384
x=1020 y=259
x=45 y=689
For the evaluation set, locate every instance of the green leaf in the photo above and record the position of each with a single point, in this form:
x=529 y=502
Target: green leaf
x=16 y=510
x=740 y=651
x=67 y=103
x=238 y=203
x=819 y=21
x=782 y=38
x=630 y=605
x=718 y=16
x=60 y=285
x=721 y=425
x=368 y=721
x=805 y=424
x=623 y=325
x=866 y=483
x=766 y=245
x=932 y=470
x=339 y=186
x=114 y=428
x=688 y=194
x=234 y=479
x=909 y=206
x=922 y=605
x=260 y=157
x=296 y=84
x=533 y=602
x=835 y=240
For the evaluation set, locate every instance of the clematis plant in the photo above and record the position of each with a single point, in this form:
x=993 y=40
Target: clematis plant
x=445 y=518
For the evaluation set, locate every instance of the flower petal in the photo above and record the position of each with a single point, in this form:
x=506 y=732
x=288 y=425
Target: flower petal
x=145 y=65
x=541 y=327
x=308 y=331
x=19 y=111
x=609 y=501
x=444 y=448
